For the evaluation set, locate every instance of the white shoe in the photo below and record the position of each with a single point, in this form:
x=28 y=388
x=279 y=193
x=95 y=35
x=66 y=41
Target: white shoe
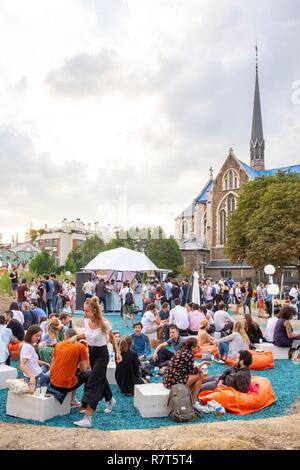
x=204 y=408
x=110 y=405
x=86 y=422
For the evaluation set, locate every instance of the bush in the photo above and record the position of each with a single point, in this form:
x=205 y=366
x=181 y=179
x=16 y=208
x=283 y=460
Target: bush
x=5 y=284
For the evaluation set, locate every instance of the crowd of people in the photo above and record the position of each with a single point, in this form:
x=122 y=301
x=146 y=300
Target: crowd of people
x=56 y=354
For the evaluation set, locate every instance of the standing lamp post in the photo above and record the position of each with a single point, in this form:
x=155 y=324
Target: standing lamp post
x=273 y=289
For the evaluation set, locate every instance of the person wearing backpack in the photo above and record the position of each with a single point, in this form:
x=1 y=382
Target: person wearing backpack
x=127 y=299
x=182 y=370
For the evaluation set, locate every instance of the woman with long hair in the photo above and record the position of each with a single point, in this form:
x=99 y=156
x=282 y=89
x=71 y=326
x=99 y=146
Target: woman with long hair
x=230 y=345
x=128 y=372
x=97 y=387
x=252 y=329
x=36 y=371
x=181 y=369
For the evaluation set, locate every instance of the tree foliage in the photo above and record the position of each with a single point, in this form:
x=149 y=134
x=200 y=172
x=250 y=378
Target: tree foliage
x=265 y=229
x=163 y=251
x=36 y=233
x=43 y=263
x=83 y=254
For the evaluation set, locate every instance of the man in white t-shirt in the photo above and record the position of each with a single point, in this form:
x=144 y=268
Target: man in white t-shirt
x=88 y=289
x=270 y=329
x=179 y=317
x=222 y=319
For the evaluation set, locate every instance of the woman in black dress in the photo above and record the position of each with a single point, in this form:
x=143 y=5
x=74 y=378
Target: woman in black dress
x=128 y=370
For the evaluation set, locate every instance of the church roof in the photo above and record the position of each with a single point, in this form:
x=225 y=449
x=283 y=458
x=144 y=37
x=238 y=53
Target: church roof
x=188 y=212
x=203 y=196
x=285 y=169
x=252 y=173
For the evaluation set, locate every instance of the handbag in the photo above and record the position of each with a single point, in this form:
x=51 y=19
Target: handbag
x=18 y=386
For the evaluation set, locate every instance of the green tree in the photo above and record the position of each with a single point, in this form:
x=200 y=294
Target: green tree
x=165 y=253
x=265 y=228
x=43 y=263
x=82 y=255
x=35 y=233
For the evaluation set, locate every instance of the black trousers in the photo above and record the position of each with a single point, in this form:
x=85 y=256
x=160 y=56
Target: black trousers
x=163 y=357
x=97 y=386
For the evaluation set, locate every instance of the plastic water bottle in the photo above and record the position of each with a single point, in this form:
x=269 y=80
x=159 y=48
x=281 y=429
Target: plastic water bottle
x=112 y=357
x=218 y=411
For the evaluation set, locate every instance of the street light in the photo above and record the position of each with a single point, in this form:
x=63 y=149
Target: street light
x=272 y=289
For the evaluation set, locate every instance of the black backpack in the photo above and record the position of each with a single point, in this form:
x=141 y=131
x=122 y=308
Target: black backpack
x=180 y=403
x=129 y=298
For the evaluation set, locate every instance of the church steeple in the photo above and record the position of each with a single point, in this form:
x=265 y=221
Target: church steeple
x=257 y=143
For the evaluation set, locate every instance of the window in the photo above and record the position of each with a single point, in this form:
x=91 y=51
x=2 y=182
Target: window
x=185 y=229
x=231 y=180
x=231 y=203
x=205 y=224
x=222 y=225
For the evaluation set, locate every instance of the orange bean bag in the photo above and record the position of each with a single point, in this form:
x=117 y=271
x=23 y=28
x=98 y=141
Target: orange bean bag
x=212 y=348
x=260 y=360
x=240 y=403
x=15 y=349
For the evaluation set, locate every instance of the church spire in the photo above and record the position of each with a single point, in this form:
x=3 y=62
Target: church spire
x=257 y=143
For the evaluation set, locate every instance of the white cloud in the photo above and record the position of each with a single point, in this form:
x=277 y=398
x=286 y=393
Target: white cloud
x=102 y=100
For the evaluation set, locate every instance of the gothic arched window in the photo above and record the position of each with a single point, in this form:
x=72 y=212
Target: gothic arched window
x=222 y=225
x=230 y=180
x=185 y=229
x=205 y=224
x=231 y=205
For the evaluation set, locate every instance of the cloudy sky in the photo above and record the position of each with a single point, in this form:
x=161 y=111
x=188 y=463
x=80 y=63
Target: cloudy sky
x=113 y=110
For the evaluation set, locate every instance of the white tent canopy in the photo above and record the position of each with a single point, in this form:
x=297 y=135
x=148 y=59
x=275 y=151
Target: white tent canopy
x=122 y=259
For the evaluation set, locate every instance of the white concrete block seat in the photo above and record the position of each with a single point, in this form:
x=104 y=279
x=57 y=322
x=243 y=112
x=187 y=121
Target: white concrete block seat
x=151 y=400
x=36 y=408
x=278 y=353
x=7 y=372
x=111 y=373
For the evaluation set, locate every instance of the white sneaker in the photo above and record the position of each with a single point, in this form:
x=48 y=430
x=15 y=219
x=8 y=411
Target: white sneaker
x=110 y=405
x=86 y=422
x=204 y=408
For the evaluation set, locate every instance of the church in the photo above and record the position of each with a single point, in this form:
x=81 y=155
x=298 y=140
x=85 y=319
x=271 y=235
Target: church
x=200 y=229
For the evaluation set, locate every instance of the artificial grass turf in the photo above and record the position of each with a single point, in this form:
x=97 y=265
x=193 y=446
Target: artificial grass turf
x=285 y=379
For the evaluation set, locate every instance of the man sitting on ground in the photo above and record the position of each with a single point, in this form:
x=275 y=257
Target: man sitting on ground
x=237 y=377
x=162 y=355
x=69 y=368
x=165 y=311
x=37 y=311
x=178 y=317
x=66 y=320
x=140 y=342
x=222 y=319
